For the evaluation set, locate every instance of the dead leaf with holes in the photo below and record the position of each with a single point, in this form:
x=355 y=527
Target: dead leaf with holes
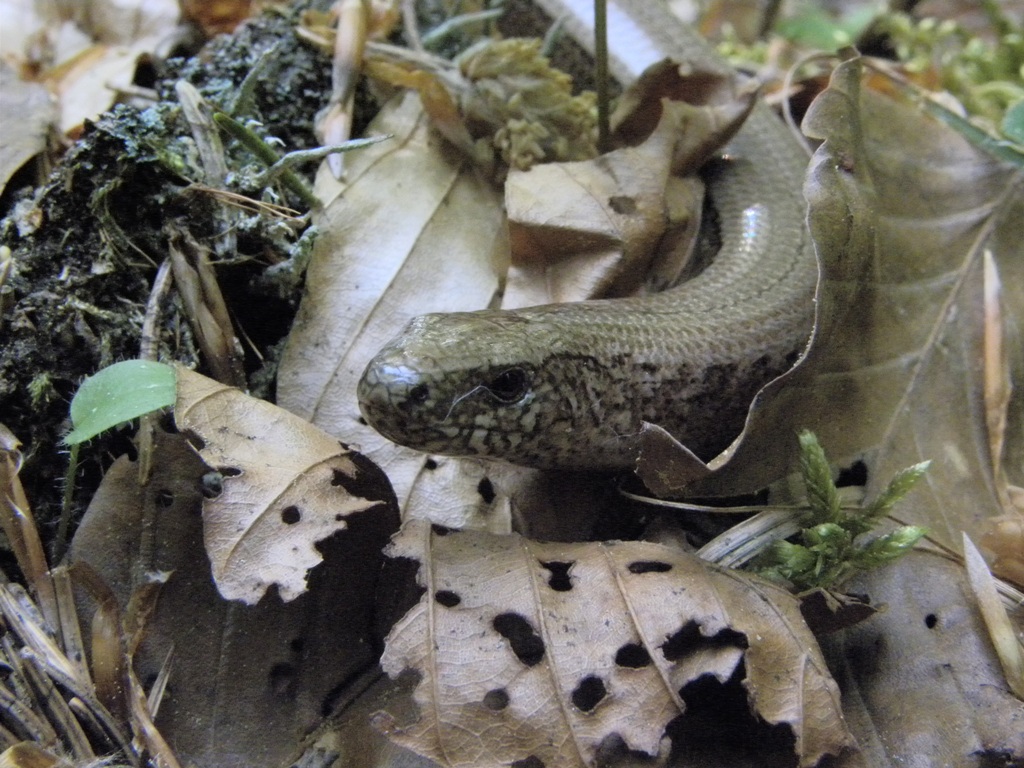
x=286 y=486
x=412 y=230
x=559 y=654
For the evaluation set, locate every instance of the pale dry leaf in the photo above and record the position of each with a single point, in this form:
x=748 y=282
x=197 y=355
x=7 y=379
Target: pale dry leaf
x=285 y=488
x=901 y=211
x=921 y=684
x=247 y=682
x=27 y=113
x=603 y=227
x=122 y=33
x=87 y=85
x=551 y=652
x=1004 y=538
x=718 y=100
x=1000 y=630
x=590 y=229
x=414 y=230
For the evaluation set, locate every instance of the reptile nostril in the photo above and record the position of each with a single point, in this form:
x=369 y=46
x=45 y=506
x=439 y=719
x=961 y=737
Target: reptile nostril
x=419 y=394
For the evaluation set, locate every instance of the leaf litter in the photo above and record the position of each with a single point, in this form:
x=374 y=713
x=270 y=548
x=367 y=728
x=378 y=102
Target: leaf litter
x=843 y=400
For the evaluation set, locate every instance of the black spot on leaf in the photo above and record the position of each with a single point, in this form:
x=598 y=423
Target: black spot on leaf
x=688 y=640
x=528 y=762
x=447 y=598
x=856 y=475
x=290 y=515
x=559 y=579
x=931 y=621
x=496 y=700
x=486 y=490
x=632 y=655
x=648 y=566
x=526 y=644
x=588 y=693
x=282 y=678
x=622 y=204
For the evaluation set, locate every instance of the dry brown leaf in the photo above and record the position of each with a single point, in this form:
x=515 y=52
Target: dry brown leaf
x=27 y=113
x=1009 y=649
x=123 y=33
x=901 y=226
x=286 y=486
x=247 y=683
x=603 y=227
x=414 y=230
x=921 y=684
x=1004 y=537
x=554 y=652
x=216 y=17
x=590 y=229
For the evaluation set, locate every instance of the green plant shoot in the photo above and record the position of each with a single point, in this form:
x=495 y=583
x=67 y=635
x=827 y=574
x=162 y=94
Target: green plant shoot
x=833 y=542
x=119 y=393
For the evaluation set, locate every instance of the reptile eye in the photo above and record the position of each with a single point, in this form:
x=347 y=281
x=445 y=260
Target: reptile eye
x=509 y=386
x=419 y=394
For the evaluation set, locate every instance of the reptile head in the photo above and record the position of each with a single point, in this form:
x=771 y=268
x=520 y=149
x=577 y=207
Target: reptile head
x=476 y=384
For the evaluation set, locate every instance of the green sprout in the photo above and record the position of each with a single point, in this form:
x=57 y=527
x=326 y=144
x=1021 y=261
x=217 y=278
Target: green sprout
x=986 y=77
x=119 y=393
x=114 y=395
x=833 y=543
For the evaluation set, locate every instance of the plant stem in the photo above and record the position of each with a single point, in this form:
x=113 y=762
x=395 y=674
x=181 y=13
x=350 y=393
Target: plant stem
x=601 y=73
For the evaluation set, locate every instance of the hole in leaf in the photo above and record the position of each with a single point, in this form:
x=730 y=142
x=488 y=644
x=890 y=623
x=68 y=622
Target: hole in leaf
x=688 y=640
x=718 y=727
x=290 y=515
x=486 y=490
x=212 y=485
x=856 y=474
x=648 y=566
x=447 y=598
x=496 y=700
x=528 y=762
x=164 y=498
x=166 y=422
x=282 y=678
x=559 y=579
x=622 y=204
x=526 y=644
x=588 y=693
x=931 y=620
x=632 y=655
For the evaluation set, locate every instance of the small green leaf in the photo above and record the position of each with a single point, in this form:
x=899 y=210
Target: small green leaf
x=898 y=487
x=813 y=27
x=890 y=546
x=830 y=549
x=822 y=495
x=1013 y=123
x=119 y=393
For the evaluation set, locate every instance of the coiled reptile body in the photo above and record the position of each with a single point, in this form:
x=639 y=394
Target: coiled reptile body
x=570 y=385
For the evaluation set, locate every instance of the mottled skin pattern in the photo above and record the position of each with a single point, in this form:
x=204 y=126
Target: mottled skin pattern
x=570 y=385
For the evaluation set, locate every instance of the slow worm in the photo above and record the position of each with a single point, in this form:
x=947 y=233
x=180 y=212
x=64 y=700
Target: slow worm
x=570 y=385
